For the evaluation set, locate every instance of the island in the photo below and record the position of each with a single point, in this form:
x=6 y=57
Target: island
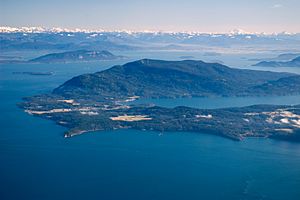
x=76 y=56
x=36 y=73
x=106 y=100
x=292 y=63
x=67 y=57
x=280 y=57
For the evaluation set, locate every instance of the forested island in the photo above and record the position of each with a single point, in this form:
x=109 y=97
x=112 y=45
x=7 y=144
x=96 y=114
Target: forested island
x=106 y=100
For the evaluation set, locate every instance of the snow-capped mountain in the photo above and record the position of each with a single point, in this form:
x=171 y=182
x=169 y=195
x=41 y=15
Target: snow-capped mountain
x=75 y=39
x=8 y=29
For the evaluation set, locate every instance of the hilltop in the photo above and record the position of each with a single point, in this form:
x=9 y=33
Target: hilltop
x=172 y=79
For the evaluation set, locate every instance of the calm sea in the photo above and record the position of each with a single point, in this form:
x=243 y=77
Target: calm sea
x=36 y=162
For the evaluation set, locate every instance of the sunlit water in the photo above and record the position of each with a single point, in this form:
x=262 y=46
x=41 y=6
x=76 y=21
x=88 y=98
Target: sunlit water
x=36 y=162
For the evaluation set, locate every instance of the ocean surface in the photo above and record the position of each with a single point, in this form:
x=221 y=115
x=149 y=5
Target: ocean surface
x=37 y=162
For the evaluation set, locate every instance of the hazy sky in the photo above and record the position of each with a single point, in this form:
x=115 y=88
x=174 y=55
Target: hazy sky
x=166 y=15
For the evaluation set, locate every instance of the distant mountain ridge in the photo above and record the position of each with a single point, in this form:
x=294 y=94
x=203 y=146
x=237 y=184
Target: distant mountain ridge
x=293 y=63
x=172 y=79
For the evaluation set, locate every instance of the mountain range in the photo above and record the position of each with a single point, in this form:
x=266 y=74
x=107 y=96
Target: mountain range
x=63 y=39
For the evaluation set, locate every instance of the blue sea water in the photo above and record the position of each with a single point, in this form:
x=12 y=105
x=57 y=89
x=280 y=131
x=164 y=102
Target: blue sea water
x=36 y=162
x=224 y=102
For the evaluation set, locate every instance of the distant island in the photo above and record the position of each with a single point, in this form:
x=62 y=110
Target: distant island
x=293 y=63
x=106 y=100
x=280 y=57
x=66 y=57
x=36 y=73
x=76 y=56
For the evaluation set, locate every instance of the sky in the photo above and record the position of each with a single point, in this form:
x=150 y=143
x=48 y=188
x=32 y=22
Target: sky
x=155 y=15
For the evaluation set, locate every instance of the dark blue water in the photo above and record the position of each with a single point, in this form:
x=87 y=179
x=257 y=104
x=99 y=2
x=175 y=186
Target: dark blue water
x=36 y=162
